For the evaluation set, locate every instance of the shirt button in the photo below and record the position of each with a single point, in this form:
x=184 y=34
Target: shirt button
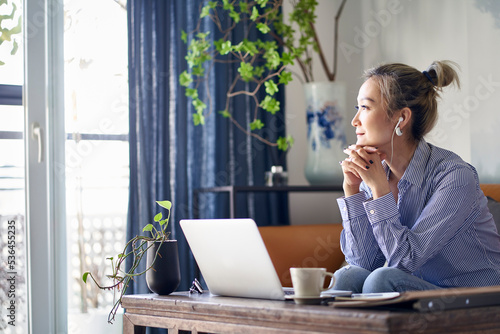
x=345 y=208
x=372 y=211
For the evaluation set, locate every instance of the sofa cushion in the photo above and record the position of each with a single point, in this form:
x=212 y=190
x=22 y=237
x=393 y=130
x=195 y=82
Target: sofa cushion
x=494 y=208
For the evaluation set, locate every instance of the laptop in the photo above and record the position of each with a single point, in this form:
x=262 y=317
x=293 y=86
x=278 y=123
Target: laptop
x=233 y=259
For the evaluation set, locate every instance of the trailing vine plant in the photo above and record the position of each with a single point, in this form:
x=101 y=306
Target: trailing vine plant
x=136 y=248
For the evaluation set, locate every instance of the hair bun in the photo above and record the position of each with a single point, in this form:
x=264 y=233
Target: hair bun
x=428 y=76
x=443 y=73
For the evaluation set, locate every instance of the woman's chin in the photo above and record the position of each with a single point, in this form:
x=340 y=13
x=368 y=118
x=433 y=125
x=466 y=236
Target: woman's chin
x=362 y=142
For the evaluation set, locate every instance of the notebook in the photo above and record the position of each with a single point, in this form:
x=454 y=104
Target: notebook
x=426 y=301
x=233 y=258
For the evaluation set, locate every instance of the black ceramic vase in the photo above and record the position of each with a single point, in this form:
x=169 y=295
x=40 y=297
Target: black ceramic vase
x=165 y=276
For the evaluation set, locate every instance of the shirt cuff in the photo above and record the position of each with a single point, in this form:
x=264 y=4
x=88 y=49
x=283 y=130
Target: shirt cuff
x=381 y=209
x=352 y=206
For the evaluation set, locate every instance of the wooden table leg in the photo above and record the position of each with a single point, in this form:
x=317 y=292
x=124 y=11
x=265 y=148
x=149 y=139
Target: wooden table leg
x=130 y=328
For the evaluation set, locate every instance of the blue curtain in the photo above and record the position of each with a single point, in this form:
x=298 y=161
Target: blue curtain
x=169 y=156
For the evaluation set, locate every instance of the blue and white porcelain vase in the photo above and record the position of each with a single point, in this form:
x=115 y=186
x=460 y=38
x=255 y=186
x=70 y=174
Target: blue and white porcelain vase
x=326 y=113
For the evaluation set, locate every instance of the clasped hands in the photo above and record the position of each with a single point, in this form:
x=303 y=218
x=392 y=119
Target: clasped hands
x=364 y=163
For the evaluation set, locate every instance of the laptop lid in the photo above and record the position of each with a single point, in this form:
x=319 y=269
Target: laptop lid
x=232 y=258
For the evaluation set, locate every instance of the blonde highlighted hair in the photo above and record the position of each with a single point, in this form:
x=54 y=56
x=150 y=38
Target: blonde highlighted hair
x=404 y=86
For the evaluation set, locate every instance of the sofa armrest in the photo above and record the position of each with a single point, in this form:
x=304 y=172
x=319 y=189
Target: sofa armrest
x=491 y=190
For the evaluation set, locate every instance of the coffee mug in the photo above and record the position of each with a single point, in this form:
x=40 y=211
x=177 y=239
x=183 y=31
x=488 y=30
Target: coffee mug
x=308 y=282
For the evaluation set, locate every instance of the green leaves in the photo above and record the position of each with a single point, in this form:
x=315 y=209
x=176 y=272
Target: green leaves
x=244 y=7
x=245 y=70
x=198 y=51
x=255 y=14
x=286 y=58
x=198 y=119
x=270 y=104
x=199 y=106
x=205 y=11
x=263 y=28
x=192 y=93
x=134 y=250
x=165 y=204
x=262 y=3
x=148 y=228
x=225 y=48
x=158 y=218
x=185 y=79
x=256 y=125
x=285 y=77
x=247 y=48
x=9 y=29
x=84 y=277
x=273 y=59
x=285 y=143
x=259 y=64
x=225 y=113
x=271 y=87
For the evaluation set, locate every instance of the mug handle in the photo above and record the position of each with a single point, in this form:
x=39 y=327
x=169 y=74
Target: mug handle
x=332 y=282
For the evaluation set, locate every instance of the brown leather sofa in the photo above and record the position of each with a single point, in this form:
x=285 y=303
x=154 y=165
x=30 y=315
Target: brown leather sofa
x=491 y=190
x=316 y=245
x=303 y=246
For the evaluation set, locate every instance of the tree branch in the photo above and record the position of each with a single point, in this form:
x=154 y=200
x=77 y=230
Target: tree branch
x=330 y=74
x=307 y=76
x=336 y=41
x=321 y=54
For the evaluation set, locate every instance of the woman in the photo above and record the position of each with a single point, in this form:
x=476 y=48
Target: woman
x=408 y=204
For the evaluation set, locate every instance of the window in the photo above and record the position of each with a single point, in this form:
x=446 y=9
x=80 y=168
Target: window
x=13 y=288
x=95 y=170
x=97 y=157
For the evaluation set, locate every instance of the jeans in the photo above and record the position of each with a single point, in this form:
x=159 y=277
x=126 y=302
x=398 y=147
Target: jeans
x=384 y=279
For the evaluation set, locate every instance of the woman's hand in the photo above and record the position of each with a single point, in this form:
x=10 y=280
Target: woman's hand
x=364 y=164
x=352 y=179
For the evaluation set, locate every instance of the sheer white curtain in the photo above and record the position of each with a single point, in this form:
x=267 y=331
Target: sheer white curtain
x=467 y=32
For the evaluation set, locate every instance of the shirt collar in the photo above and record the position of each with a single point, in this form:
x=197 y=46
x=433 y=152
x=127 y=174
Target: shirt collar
x=415 y=172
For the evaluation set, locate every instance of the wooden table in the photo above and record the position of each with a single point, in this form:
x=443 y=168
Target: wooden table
x=181 y=312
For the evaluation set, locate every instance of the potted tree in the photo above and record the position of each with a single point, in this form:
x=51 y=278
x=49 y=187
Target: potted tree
x=162 y=262
x=262 y=62
x=325 y=100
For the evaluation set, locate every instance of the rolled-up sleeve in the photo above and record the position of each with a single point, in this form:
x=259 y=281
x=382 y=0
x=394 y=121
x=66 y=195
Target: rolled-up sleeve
x=357 y=240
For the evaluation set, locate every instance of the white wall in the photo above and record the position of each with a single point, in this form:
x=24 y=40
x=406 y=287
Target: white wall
x=415 y=33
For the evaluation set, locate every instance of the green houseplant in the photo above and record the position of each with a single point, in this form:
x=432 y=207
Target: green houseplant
x=10 y=26
x=262 y=62
x=137 y=248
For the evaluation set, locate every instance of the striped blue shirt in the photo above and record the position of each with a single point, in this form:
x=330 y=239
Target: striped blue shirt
x=440 y=228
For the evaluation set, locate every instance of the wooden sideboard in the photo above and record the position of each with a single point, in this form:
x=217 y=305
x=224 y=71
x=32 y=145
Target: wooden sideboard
x=234 y=191
x=181 y=313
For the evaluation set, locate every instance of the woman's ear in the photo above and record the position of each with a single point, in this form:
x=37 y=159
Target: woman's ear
x=406 y=115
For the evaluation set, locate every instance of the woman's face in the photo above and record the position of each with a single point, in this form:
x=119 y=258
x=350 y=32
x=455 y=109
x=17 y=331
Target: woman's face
x=373 y=128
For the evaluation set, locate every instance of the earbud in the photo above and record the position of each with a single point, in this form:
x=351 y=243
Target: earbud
x=398 y=129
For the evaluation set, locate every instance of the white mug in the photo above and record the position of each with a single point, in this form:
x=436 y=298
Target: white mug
x=308 y=282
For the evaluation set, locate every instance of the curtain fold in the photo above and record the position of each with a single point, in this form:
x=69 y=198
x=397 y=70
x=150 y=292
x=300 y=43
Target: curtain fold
x=169 y=156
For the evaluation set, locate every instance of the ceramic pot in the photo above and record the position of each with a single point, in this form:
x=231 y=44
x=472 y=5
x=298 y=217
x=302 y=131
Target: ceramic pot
x=325 y=107
x=165 y=276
